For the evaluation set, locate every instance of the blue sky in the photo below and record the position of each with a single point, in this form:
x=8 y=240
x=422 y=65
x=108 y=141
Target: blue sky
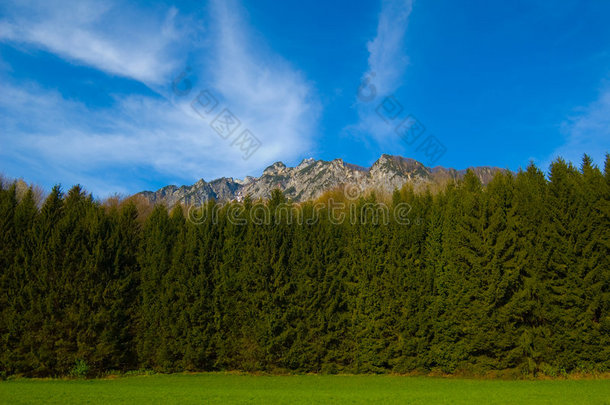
x=122 y=97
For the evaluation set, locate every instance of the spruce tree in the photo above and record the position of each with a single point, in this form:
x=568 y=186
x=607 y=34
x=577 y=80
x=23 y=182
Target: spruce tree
x=154 y=258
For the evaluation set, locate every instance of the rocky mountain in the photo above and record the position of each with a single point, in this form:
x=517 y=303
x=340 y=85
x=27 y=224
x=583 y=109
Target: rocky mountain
x=312 y=177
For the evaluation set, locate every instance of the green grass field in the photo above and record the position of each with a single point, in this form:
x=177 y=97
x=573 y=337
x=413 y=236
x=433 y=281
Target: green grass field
x=219 y=388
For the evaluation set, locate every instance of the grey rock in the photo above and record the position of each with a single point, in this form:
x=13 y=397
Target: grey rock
x=311 y=178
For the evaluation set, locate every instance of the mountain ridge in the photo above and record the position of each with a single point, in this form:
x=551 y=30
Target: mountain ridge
x=311 y=178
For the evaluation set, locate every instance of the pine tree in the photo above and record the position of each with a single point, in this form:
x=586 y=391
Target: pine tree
x=24 y=219
x=43 y=292
x=592 y=264
x=458 y=337
x=8 y=279
x=120 y=295
x=565 y=291
x=526 y=310
x=500 y=238
x=158 y=237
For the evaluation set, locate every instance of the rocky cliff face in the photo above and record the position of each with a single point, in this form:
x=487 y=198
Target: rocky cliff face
x=312 y=177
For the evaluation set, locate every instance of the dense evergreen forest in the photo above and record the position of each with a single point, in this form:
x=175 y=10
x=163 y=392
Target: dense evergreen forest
x=514 y=275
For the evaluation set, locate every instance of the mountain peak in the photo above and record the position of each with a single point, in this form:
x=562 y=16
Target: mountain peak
x=312 y=177
x=306 y=162
x=275 y=168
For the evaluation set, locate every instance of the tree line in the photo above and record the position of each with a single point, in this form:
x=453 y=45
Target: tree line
x=514 y=275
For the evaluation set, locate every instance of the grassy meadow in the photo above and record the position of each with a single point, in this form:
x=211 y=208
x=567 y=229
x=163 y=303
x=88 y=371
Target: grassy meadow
x=222 y=388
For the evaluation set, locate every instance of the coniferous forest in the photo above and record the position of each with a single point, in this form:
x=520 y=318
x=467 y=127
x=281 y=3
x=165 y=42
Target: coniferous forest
x=514 y=275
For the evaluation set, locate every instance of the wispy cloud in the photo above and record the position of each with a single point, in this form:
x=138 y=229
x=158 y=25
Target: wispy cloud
x=387 y=57
x=116 y=38
x=60 y=140
x=66 y=139
x=588 y=131
x=387 y=63
x=270 y=96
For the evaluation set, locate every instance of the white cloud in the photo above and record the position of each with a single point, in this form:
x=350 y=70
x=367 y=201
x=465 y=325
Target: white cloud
x=112 y=37
x=67 y=139
x=387 y=63
x=387 y=58
x=588 y=131
x=270 y=97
